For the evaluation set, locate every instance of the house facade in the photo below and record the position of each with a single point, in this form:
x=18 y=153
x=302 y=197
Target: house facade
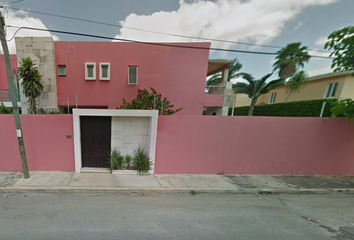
x=4 y=86
x=332 y=85
x=97 y=75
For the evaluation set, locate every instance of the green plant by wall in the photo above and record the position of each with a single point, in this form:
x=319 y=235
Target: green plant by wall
x=150 y=100
x=120 y=160
x=115 y=160
x=306 y=108
x=32 y=81
x=141 y=161
x=5 y=110
x=128 y=159
x=47 y=111
x=343 y=108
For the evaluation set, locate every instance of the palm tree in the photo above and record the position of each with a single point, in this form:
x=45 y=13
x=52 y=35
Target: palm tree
x=290 y=59
x=296 y=83
x=255 y=88
x=233 y=73
x=31 y=81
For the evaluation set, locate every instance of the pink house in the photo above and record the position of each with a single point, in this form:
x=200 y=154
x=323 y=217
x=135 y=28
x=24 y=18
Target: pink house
x=97 y=75
x=4 y=86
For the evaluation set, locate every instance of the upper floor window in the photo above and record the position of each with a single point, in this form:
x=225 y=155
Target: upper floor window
x=61 y=70
x=90 y=71
x=272 y=97
x=132 y=75
x=105 y=71
x=331 y=90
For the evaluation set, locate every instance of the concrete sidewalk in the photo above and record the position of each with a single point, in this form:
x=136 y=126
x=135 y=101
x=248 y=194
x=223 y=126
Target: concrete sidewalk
x=70 y=182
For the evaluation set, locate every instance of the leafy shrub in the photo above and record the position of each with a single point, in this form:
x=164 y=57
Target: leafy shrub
x=115 y=160
x=48 y=111
x=5 y=110
x=128 y=159
x=141 y=161
x=306 y=108
x=343 y=108
x=146 y=99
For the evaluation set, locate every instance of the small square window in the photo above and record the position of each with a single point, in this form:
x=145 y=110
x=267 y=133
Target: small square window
x=61 y=70
x=105 y=71
x=132 y=75
x=90 y=71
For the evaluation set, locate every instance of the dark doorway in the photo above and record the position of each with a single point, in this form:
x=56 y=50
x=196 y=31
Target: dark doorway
x=95 y=141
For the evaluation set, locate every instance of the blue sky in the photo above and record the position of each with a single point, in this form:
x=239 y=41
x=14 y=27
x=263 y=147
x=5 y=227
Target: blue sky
x=269 y=22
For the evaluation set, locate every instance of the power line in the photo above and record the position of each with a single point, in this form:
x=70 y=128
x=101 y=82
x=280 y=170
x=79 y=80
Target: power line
x=155 y=32
x=13 y=2
x=152 y=43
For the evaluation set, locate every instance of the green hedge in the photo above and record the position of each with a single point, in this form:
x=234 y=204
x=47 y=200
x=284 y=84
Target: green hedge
x=307 y=108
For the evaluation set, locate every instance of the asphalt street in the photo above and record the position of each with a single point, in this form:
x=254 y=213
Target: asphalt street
x=176 y=216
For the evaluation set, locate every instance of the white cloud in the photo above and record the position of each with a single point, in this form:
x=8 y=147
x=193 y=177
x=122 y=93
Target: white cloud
x=319 y=53
x=319 y=71
x=321 y=41
x=236 y=80
x=21 y=18
x=256 y=21
x=298 y=25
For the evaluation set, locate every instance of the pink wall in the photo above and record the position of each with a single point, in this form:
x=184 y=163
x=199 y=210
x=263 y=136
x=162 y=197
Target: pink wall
x=3 y=75
x=177 y=73
x=213 y=100
x=46 y=145
x=254 y=145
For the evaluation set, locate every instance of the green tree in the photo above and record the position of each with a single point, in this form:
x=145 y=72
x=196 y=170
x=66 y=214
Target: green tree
x=342 y=44
x=290 y=59
x=233 y=73
x=296 y=83
x=31 y=81
x=150 y=100
x=343 y=107
x=255 y=88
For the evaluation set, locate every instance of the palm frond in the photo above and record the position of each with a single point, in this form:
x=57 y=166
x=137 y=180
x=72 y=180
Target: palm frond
x=296 y=82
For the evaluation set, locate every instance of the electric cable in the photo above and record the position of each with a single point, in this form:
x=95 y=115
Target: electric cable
x=154 y=43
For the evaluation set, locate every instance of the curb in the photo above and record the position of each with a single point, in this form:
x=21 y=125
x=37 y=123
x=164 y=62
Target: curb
x=85 y=190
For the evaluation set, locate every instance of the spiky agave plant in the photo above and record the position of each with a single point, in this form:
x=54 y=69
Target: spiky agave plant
x=128 y=159
x=141 y=161
x=113 y=159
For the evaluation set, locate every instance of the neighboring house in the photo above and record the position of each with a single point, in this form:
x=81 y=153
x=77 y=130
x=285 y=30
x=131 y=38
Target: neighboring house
x=98 y=75
x=4 y=86
x=332 y=85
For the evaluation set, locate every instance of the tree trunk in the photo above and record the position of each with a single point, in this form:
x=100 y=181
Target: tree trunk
x=253 y=103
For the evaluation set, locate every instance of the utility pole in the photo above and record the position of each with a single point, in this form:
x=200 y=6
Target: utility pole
x=13 y=97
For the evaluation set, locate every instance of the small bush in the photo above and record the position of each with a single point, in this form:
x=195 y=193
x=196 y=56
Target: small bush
x=306 y=108
x=149 y=101
x=48 y=111
x=343 y=108
x=141 y=161
x=5 y=110
x=115 y=160
x=128 y=159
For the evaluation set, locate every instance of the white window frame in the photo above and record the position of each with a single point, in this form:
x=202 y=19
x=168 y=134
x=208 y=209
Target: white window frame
x=330 y=90
x=86 y=70
x=137 y=70
x=61 y=75
x=108 y=71
x=272 y=97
